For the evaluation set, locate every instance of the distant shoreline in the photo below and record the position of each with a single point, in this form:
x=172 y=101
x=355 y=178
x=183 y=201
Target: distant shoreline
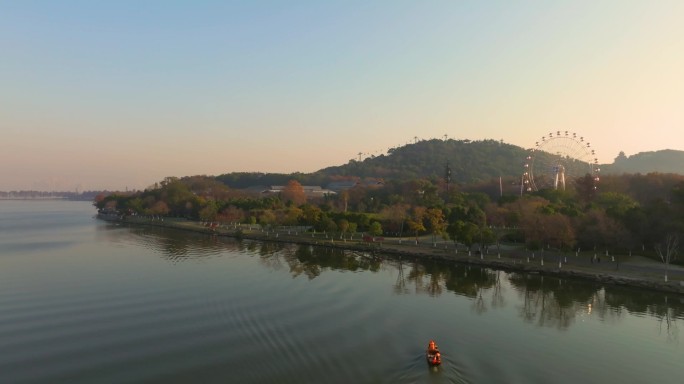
x=645 y=274
x=46 y=198
x=42 y=199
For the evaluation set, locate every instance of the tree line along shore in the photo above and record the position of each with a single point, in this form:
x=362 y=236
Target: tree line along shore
x=629 y=216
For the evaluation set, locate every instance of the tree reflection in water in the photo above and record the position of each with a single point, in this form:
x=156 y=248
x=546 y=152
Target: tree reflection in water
x=545 y=301
x=498 y=300
x=666 y=308
x=311 y=261
x=400 y=287
x=269 y=255
x=668 y=322
x=552 y=302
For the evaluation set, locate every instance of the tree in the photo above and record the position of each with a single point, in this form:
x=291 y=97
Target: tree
x=496 y=215
x=394 y=216
x=209 y=211
x=293 y=192
x=135 y=205
x=476 y=216
x=468 y=234
x=329 y=224
x=667 y=250
x=616 y=204
x=267 y=218
x=540 y=222
x=437 y=224
x=415 y=223
x=110 y=205
x=291 y=216
x=352 y=228
x=178 y=196
x=454 y=230
x=487 y=236
x=343 y=226
x=325 y=224
x=159 y=208
x=559 y=231
x=375 y=229
x=311 y=214
x=586 y=188
x=231 y=214
x=344 y=196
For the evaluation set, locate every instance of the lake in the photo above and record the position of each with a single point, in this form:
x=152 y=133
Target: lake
x=86 y=301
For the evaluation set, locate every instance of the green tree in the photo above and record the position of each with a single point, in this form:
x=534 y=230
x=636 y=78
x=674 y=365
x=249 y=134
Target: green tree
x=290 y=216
x=352 y=228
x=375 y=229
x=267 y=218
x=454 y=229
x=469 y=234
x=311 y=214
x=209 y=211
x=343 y=226
x=616 y=204
x=136 y=205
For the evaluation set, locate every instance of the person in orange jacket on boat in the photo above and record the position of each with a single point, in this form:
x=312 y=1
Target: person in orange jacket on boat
x=431 y=345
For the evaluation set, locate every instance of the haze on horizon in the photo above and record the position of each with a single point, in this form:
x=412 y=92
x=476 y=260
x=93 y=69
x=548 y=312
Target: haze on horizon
x=114 y=95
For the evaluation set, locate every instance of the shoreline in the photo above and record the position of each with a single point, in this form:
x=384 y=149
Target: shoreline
x=644 y=273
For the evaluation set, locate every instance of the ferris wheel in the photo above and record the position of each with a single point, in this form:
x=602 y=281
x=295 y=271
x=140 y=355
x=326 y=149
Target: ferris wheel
x=557 y=161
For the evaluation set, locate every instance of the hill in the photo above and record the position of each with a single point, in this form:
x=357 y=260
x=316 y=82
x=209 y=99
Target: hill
x=664 y=161
x=470 y=162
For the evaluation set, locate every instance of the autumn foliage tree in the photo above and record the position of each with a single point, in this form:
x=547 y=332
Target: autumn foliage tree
x=293 y=192
x=436 y=223
x=415 y=222
x=394 y=216
x=158 y=208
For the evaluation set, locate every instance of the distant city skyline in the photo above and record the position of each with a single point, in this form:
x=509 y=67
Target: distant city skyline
x=119 y=95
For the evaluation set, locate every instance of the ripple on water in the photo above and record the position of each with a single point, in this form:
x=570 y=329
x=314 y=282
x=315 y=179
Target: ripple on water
x=166 y=307
x=52 y=337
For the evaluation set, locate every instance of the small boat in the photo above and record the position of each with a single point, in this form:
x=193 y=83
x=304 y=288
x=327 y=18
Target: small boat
x=432 y=354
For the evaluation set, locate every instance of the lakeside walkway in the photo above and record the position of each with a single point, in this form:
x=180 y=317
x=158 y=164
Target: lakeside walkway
x=634 y=270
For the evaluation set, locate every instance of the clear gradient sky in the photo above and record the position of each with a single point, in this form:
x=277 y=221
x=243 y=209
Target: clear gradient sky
x=120 y=94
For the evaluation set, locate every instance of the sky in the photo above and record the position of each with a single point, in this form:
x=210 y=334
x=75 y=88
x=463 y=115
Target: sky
x=118 y=95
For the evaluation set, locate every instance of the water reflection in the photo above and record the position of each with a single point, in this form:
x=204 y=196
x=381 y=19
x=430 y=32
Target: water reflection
x=433 y=279
x=543 y=300
x=667 y=308
x=552 y=302
x=311 y=261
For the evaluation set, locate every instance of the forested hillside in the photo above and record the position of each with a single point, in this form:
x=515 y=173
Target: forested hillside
x=470 y=162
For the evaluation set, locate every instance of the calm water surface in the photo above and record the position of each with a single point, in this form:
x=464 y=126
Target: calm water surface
x=84 y=301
